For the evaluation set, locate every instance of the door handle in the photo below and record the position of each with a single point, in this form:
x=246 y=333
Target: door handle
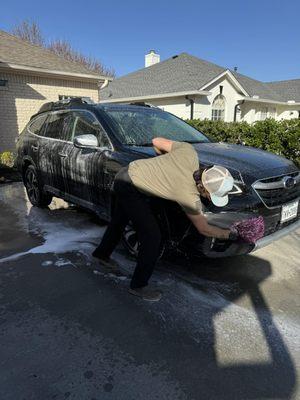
x=63 y=155
x=34 y=148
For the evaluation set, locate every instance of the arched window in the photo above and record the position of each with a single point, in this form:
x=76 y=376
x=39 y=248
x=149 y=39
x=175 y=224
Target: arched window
x=218 y=108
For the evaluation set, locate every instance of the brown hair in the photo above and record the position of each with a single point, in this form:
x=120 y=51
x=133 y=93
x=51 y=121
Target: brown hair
x=197 y=175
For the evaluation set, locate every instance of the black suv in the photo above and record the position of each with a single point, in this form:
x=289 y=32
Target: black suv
x=73 y=150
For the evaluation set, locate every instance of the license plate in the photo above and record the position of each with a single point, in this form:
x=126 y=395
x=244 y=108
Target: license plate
x=289 y=211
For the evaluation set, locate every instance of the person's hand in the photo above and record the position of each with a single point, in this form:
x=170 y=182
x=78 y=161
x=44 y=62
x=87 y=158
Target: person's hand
x=157 y=151
x=233 y=234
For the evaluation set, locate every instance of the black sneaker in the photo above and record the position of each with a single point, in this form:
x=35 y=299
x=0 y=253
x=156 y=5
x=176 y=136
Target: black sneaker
x=108 y=265
x=146 y=293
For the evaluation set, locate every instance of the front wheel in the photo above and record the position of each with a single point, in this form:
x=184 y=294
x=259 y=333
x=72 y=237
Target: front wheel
x=36 y=195
x=132 y=244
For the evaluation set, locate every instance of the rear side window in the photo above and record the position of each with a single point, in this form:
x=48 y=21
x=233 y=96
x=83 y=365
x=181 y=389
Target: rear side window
x=36 y=126
x=56 y=126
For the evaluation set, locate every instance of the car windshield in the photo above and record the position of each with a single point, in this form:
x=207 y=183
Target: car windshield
x=137 y=126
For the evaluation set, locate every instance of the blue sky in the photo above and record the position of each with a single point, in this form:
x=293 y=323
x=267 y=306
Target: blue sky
x=261 y=37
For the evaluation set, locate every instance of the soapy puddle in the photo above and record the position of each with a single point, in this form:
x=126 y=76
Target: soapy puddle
x=60 y=227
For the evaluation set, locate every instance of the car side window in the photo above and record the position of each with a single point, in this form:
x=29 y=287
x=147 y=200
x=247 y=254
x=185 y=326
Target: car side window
x=86 y=124
x=36 y=126
x=55 y=126
x=69 y=122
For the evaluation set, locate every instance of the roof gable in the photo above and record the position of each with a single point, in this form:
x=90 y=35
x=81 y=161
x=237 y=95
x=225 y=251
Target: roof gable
x=228 y=74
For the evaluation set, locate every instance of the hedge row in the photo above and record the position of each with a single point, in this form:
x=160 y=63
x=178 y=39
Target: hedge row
x=280 y=137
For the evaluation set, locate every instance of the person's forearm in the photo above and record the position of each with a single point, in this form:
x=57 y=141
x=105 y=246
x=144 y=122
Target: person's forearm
x=204 y=228
x=214 y=231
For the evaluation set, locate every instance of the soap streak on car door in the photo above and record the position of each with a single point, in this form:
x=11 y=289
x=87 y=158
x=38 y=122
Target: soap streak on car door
x=54 y=151
x=35 y=142
x=84 y=166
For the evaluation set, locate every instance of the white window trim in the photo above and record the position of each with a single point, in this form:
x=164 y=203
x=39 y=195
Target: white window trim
x=221 y=112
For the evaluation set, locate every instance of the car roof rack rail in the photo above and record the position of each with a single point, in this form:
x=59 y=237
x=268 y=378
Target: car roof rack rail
x=60 y=104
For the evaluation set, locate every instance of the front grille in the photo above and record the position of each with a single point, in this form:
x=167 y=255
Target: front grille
x=273 y=193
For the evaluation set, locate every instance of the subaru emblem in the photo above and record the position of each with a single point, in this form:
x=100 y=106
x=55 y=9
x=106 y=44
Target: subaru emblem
x=288 y=182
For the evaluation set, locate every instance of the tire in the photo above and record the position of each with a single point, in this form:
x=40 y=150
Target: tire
x=131 y=243
x=35 y=193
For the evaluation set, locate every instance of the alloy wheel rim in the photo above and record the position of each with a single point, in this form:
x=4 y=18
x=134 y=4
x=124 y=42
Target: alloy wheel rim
x=130 y=237
x=32 y=186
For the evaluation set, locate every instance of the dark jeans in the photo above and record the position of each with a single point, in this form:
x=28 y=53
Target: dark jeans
x=133 y=205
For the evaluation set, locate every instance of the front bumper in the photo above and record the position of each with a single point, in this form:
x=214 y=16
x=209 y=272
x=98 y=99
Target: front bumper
x=215 y=248
x=266 y=240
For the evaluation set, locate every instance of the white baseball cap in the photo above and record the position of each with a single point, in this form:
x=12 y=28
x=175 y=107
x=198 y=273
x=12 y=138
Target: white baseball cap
x=218 y=181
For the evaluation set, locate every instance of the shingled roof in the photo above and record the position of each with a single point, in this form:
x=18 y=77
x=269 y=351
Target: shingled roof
x=183 y=73
x=289 y=90
x=257 y=88
x=177 y=74
x=14 y=50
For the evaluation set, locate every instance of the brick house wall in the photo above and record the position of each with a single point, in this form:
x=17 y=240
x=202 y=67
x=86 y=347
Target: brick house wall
x=23 y=96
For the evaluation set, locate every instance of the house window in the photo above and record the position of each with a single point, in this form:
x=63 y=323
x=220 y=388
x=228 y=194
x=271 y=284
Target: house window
x=63 y=97
x=3 y=84
x=67 y=97
x=272 y=112
x=218 y=108
x=263 y=113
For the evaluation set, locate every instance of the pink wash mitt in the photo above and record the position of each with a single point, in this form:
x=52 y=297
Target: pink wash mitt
x=250 y=230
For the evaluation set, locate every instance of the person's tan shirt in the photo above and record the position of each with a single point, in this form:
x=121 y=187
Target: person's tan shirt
x=170 y=176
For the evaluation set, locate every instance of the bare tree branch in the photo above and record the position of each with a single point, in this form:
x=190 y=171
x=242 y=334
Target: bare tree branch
x=31 y=32
x=64 y=49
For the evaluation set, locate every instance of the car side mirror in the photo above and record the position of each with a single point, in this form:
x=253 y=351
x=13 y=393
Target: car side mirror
x=86 y=141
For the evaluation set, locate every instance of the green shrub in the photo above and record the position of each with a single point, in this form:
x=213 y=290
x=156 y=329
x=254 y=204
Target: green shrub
x=279 y=137
x=7 y=159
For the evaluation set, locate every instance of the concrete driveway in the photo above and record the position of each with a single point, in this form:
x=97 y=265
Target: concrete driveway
x=225 y=329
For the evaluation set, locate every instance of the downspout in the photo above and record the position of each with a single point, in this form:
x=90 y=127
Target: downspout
x=192 y=102
x=104 y=84
x=192 y=108
x=235 y=109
